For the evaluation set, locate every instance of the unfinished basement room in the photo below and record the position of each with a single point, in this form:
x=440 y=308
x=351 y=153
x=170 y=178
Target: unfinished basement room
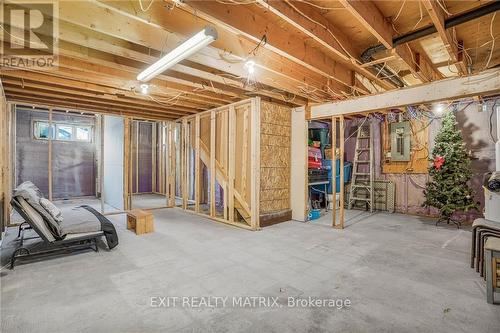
x=249 y=166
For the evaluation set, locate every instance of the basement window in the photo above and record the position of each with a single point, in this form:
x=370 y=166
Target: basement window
x=41 y=130
x=62 y=132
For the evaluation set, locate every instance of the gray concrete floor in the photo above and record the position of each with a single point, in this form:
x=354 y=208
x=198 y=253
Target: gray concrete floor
x=148 y=200
x=401 y=273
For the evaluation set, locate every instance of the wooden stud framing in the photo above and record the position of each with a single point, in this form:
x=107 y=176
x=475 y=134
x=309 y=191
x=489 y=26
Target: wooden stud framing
x=184 y=163
x=224 y=154
x=341 y=157
x=213 y=170
x=171 y=165
x=197 y=170
x=334 y=170
x=255 y=163
x=231 y=162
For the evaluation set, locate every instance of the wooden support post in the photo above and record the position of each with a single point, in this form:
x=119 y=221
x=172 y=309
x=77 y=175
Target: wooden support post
x=51 y=134
x=184 y=163
x=224 y=155
x=231 y=162
x=334 y=170
x=212 y=163
x=341 y=157
x=197 y=170
x=307 y=109
x=255 y=163
x=244 y=160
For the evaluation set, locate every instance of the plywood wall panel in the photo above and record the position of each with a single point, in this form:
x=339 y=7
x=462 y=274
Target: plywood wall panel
x=275 y=152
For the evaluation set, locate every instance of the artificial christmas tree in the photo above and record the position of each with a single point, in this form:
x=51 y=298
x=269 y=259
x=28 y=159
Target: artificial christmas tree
x=450 y=173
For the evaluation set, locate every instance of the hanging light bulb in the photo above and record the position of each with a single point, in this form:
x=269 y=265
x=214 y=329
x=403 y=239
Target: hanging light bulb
x=438 y=109
x=250 y=67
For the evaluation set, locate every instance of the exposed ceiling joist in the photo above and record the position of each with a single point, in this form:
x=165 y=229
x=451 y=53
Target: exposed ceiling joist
x=374 y=21
x=438 y=17
x=152 y=30
x=310 y=22
x=244 y=21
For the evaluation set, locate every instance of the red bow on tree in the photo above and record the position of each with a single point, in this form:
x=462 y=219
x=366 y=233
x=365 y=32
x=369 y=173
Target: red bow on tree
x=438 y=162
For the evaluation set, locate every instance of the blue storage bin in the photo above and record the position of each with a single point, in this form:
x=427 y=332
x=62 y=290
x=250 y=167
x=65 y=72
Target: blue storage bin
x=327 y=164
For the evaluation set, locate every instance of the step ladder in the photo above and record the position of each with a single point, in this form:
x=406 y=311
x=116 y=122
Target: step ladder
x=361 y=189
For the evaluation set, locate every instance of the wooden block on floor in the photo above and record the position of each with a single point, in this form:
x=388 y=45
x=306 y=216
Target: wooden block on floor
x=142 y=222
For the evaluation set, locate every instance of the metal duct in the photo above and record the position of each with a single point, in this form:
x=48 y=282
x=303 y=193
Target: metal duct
x=451 y=22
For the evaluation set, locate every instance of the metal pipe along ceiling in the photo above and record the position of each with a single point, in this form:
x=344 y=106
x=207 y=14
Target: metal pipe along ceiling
x=451 y=22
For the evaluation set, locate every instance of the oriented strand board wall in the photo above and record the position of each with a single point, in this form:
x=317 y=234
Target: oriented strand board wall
x=275 y=152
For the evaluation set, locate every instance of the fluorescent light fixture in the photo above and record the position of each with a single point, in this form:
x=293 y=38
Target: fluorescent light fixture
x=181 y=52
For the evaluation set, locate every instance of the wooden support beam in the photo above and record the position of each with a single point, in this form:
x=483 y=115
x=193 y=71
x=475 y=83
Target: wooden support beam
x=63 y=104
x=96 y=100
x=372 y=19
x=484 y=83
x=438 y=17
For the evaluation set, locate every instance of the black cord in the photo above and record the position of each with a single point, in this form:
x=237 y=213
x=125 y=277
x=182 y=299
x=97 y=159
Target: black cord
x=263 y=41
x=491 y=121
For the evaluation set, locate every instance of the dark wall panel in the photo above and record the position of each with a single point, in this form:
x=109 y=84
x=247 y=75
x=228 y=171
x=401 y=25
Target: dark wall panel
x=145 y=157
x=32 y=156
x=73 y=163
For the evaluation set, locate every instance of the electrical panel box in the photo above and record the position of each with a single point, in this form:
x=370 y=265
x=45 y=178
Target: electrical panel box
x=400 y=141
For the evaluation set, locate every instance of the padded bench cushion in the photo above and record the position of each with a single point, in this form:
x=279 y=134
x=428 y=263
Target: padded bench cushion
x=482 y=222
x=79 y=220
x=492 y=243
x=29 y=192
